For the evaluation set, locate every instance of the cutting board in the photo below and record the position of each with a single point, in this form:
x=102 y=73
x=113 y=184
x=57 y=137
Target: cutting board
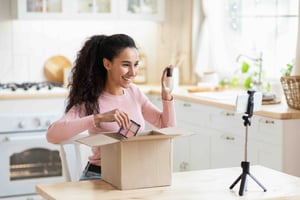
x=54 y=68
x=271 y=102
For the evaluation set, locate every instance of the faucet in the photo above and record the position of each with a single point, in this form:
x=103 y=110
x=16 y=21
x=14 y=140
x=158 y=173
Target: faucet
x=259 y=61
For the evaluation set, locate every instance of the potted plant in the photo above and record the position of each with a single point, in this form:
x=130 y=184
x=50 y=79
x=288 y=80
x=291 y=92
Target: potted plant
x=248 y=77
x=291 y=86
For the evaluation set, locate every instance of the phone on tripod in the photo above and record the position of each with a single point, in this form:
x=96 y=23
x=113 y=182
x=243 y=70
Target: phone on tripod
x=247 y=104
x=242 y=102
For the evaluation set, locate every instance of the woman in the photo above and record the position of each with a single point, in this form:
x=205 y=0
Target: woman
x=103 y=98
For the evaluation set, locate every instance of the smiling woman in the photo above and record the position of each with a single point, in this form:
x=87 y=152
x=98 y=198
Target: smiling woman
x=123 y=76
x=103 y=98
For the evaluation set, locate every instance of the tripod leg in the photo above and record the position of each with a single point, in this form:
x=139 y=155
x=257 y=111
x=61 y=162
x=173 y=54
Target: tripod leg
x=235 y=182
x=243 y=184
x=257 y=182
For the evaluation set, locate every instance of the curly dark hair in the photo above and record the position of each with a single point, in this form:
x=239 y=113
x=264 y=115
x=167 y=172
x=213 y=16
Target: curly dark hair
x=89 y=75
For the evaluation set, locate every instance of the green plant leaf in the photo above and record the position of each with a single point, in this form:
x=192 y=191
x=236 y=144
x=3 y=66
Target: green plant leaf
x=288 y=70
x=247 y=83
x=268 y=87
x=245 y=67
x=234 y=82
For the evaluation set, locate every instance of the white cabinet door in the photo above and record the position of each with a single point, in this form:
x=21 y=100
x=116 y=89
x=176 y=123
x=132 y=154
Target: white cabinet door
x=142 y=10
x=191 y=152
x=267 y=148
x=65 y=9
x=199 y=150
x=92 y=9
x=227 y=149
x=37 y=9
x=227 y=138
x=226 y=120
x=266 y=154
x=181 y=154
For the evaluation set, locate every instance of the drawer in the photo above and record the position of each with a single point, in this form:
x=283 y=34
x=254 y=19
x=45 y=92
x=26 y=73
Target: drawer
x=226 y=120
x=191 y=114
x=267 y=130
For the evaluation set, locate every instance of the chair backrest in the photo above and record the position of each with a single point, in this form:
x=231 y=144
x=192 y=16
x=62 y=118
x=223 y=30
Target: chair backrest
x=74 y=157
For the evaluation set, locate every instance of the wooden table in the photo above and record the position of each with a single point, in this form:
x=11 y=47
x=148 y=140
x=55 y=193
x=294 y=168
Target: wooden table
x=203 y=184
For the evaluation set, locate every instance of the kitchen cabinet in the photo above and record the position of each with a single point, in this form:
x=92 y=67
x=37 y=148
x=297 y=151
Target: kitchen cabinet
x=37 y=9
x=275 y=143
x=88 y=9
x=189 y=152
x=219 y=139
x=226 y=149
x=227 y=138
x=141 y=9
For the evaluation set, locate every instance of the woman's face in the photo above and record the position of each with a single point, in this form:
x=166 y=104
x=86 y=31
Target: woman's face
x=122 y=69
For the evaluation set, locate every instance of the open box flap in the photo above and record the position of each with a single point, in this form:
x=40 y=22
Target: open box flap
x=173 y=131
x=98 y=139
x=113 y=137
x=163 y=133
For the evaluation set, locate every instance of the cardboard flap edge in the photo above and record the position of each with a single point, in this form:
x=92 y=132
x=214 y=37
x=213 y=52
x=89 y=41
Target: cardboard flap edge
x=173 y=131
x=98 y=139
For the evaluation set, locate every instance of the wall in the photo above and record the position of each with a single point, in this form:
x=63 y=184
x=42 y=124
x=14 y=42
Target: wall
x=25 y=45
x=176 y=37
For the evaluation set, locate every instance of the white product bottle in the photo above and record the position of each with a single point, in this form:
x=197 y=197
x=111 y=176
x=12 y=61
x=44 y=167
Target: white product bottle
x=169 y=80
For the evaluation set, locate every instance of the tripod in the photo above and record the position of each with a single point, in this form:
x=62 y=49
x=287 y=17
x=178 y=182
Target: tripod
x=245 y=164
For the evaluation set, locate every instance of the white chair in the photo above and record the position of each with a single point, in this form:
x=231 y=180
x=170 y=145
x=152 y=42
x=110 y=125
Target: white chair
x=74 y=157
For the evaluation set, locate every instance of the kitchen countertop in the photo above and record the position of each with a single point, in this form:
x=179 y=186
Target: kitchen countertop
x=222 y=99
x=202 y=184
x=33 y=94
x=226 y=100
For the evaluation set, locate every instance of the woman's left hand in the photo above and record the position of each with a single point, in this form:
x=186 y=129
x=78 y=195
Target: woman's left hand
x=165 y=90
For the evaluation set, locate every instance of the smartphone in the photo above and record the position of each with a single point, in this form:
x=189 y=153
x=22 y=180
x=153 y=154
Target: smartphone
x=131 y=131
x=242 y=102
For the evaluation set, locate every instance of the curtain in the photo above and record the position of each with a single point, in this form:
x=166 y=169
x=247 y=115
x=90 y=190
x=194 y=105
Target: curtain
x=296 y=70
x=209 y=47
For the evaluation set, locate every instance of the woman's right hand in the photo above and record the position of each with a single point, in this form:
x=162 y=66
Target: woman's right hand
x=115 y=115
x=165 y=90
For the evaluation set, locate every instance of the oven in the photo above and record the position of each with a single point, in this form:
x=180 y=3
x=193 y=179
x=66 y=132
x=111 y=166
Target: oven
x=26 y=157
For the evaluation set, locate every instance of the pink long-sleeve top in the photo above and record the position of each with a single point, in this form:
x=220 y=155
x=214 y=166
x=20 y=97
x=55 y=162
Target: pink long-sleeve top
x=134 y=102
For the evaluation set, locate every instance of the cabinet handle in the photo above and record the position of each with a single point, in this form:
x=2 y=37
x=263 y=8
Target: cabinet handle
x=227 y=137
x=227 y=113
x=267 y=121
x=184 y=166
x=187 y=105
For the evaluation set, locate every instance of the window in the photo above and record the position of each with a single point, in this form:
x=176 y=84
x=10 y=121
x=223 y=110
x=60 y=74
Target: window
x=247 y=27
x=264 y=26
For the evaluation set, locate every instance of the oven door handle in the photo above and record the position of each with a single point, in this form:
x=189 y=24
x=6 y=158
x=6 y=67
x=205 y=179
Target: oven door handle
x=22 y=138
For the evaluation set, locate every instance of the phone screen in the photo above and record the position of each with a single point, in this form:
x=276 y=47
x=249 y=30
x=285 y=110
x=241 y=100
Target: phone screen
x=242 y=102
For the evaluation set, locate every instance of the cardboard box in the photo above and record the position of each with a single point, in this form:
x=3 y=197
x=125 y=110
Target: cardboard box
x=138 y=162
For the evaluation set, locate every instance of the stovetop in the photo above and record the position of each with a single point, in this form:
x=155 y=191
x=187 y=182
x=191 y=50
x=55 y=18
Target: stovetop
x=26 y=86
x=29 y=90
x=30 y=106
